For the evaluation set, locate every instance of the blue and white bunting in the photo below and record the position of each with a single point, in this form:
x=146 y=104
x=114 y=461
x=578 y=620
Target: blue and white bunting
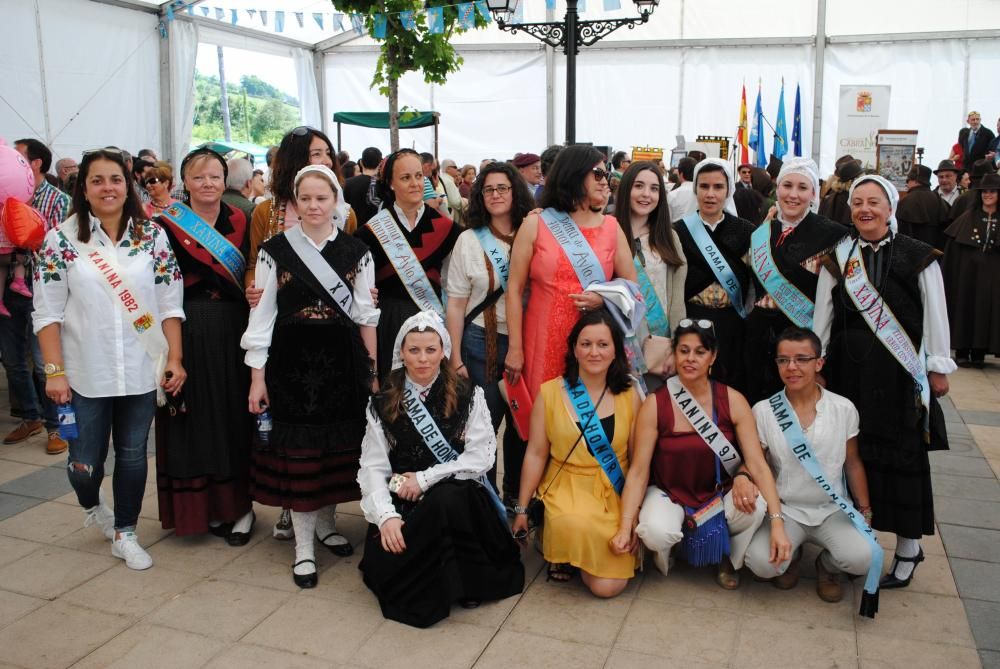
x=279 y=22
x=338 y=22
x=612 y=5
x=408 y=20
x=466 y=15
x=484 y=10
x=381 y=21
x=298 y=19
x=435 y=20
x=318 y=18
x=358 y=24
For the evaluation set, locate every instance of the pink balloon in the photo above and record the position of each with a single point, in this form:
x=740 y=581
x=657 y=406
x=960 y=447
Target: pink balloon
x=16 y=178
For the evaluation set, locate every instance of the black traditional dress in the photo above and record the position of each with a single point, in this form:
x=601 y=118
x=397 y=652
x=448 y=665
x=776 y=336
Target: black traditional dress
x=457 y=548
x=972 y=282
x=892 y=442
x=923 y=215
x=432 y=239
x=203 y=450
x=798 y=257
x=318 y=380
x=705 y=297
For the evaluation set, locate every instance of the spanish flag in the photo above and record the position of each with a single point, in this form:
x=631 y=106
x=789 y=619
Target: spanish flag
x=742 y=135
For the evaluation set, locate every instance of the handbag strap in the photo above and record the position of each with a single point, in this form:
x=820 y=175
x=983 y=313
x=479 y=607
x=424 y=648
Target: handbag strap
x=582 y=429
x=489 y=301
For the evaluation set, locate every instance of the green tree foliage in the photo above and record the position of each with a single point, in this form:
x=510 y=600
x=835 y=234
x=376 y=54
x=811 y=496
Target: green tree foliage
x=262 y=116
x=405 y=50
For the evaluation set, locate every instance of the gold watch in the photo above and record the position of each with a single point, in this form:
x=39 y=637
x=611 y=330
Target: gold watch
x=52 y=369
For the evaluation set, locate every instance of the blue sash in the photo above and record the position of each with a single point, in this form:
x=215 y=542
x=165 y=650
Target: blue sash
x=595 y=436
x=576 y=247
x=437 y=444
x=408 y=268
x=883 y=322
x=789 y=299
x=656 y=317
x=716 y=261
x=796 y=439
x=210 y=239
x=498 y=257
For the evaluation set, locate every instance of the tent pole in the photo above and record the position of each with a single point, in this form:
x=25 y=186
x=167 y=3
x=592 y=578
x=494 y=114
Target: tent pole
x=166 y=99
x=41 y=75
x=340 y=146
x=319 y=72
x=435 y=136
x=819 y=57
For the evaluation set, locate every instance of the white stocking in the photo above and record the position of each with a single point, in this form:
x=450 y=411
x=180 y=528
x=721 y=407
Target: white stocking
x=905 y=548
x=304 y=523
x=326 y=524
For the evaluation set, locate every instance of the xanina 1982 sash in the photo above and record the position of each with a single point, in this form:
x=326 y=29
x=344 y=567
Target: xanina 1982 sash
x=703 y=426
x=320 y=268
x=883 y=322
x=411 y=273
x=792 y=301
x=437 y=444
x=716 y=261
x=594 y=434
x=796 y=439
x=656 y=316
x=576 y=247
x=499 y=258
x=182 y=217
x=146 y=326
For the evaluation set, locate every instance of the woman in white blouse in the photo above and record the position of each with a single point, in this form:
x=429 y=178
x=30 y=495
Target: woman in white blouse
x=436 y=534
x=477 y=280
x=108 y=296
x=310 y=345
x=644 y=216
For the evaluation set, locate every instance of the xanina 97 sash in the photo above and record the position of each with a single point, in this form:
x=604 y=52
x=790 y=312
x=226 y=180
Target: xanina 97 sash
x=576 y=247
x=595 y=436
x=883 y=322
x=320 y=268
x=792 y=301
x=704 y=427
x=437 y=444
x=145 y=325
x=182 y=217
x=498 y=256
x=656 y=316
x=411 y=273
x=788 y=421
x=716 y=261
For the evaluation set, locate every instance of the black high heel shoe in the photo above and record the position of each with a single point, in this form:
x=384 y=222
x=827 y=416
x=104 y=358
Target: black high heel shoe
x=889 y=581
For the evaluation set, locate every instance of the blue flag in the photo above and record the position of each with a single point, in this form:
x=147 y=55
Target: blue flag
x=380 y=22
x=279 y=22
x=408 y=20
x=797 y=123
x=466 y=15
x=435 y=20
x=780 y=127
x=612 y=5
x=757 y=134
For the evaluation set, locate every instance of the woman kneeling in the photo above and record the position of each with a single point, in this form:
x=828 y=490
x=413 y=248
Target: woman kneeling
x=436 y=536
x=577 y=418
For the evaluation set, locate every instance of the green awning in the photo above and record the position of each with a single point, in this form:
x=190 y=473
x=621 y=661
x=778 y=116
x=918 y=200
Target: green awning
x=407 y=120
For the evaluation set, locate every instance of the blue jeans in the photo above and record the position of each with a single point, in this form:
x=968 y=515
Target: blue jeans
x=17 y=342
x=474 y=357
x=127 y=419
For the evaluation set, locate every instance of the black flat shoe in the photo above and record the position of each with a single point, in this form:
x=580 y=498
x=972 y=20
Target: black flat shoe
x=305 y=580
x=242 y=538
x=889 y=581
x=340 y=550
x=222 y=531
x=469 y=603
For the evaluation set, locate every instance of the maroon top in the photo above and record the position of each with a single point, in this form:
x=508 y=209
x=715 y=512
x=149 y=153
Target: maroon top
x=683 y=465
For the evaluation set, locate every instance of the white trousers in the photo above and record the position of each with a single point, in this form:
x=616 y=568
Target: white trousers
x=660 y=522
x=845 y=549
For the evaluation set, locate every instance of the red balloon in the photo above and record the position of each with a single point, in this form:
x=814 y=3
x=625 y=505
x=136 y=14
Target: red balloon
x=23 y=224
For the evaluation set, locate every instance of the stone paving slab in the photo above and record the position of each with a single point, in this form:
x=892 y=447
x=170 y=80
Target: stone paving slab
x=46 y=483
x=971 y=543
x=977 y=579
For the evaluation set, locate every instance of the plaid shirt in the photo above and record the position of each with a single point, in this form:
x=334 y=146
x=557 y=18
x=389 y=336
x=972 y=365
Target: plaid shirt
x=51 y=203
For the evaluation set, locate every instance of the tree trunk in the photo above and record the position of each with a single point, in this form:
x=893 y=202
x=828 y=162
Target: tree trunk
x=394 y=114
x=226 y=123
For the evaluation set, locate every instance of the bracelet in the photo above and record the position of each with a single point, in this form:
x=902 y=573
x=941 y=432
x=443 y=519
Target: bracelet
x=747 y=474
x=54 y=375
x=460 y=367
x=776 y=516
x=520 y=510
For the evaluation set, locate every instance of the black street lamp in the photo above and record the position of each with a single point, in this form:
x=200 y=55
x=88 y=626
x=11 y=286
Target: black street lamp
x=570 y=34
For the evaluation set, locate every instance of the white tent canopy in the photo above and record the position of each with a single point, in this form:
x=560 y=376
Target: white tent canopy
x=82 y=73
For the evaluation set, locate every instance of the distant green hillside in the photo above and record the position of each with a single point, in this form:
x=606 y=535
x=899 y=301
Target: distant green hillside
x=259 y=112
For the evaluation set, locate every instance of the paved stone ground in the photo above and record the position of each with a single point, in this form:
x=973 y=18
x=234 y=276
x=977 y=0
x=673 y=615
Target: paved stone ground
x=64 y=601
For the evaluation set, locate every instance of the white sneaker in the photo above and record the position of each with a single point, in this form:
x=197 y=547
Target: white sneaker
x=127 y=548
x=102 y=516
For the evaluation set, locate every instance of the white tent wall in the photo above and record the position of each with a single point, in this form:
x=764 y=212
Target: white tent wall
x=108 y=93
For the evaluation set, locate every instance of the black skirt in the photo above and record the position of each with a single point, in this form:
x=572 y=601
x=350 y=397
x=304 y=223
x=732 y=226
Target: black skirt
x=972 y=281
x=456 y=548
x=203 y=454
x=730 y=331
x=762 y=329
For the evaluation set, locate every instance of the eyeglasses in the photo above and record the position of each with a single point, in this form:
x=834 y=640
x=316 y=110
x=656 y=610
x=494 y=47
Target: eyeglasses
x=301 y=131
x=600 y=175
x=799 y=360
x=502 y=189
x=701 y=324
x=152 y=180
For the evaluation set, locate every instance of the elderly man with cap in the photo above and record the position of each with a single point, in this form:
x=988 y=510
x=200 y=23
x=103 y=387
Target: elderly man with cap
x=921 y=213
x=947 y=177
x=530 y=167
x=836 y=205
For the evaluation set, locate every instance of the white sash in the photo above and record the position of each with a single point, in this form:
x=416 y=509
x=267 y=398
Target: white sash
x=703 y=426
x=320 y=268
x=147 y=328
x=411 y=273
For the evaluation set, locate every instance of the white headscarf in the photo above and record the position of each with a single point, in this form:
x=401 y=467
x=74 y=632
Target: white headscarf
x=342 y=209
x=421 y=321
x=730 y=204
x=890 y=192
x=807 y=168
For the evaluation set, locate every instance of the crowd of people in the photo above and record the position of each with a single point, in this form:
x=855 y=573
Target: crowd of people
x=696 y=363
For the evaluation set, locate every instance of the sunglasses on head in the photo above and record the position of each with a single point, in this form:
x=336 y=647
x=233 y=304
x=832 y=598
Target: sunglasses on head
x=302 y=131
x=701 y=324
x=94 y=152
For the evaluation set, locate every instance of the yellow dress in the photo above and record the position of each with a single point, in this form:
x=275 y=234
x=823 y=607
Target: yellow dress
x=581 y=507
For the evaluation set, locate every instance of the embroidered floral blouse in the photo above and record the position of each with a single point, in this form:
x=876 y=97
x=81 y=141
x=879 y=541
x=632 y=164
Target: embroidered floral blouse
x=102 y=353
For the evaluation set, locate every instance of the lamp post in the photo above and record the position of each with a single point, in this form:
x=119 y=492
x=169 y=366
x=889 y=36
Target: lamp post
x=571 y=33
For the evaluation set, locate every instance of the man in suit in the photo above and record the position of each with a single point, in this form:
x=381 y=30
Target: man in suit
x=974 y=140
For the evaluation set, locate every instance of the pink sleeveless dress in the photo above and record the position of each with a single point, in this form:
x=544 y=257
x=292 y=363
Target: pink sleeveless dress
x=550 y=314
